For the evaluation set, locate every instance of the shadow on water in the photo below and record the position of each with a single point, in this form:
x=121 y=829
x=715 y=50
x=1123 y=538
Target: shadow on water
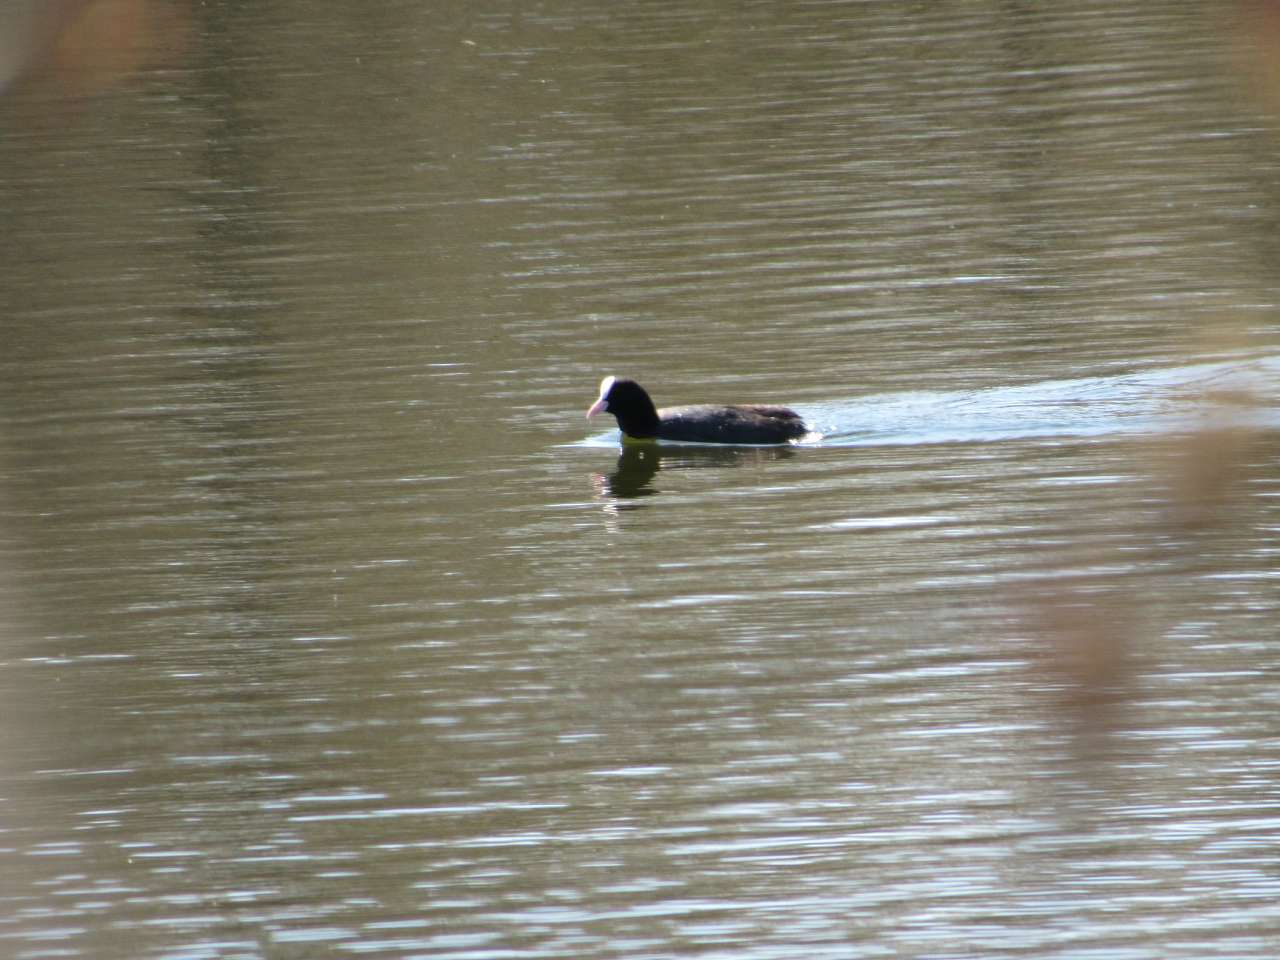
x=1239 y=392
x=633 y=476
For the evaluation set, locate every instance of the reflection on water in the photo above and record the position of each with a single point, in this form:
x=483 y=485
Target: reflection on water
x=638 y=464
x=324 y=631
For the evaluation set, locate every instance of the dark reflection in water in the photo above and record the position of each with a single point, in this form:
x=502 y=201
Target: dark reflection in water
x=633 y=475
x=638 y=464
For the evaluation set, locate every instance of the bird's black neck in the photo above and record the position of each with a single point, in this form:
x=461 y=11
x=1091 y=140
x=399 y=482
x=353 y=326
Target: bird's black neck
x=639 y=419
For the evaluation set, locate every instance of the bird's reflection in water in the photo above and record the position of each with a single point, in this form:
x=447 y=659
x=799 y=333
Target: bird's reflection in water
x=638 y=464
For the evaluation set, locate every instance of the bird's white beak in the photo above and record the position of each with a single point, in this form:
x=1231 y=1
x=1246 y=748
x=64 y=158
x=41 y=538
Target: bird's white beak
x=601 y=405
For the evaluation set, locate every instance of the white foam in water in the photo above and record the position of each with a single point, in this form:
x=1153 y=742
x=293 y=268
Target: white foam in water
x=1153 y=401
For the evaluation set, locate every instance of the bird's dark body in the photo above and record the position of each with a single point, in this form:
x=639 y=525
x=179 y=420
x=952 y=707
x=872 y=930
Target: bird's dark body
x=704 y=423
x=744 y=423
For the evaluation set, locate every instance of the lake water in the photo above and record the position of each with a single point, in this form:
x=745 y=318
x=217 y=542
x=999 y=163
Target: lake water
x=331 y=628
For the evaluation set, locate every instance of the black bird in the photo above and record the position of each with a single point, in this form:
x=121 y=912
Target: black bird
x=705 y=423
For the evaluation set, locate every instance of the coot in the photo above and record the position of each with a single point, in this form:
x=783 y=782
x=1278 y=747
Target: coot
x=705 y=423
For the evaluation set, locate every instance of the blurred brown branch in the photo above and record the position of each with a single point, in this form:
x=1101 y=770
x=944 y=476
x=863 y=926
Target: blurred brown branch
x=83 y=46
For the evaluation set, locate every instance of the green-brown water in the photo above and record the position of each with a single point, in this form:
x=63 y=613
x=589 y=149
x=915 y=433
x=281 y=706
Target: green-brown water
x=328 y=627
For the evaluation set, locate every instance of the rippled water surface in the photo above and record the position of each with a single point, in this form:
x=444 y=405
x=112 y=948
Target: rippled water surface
x=329 y=627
